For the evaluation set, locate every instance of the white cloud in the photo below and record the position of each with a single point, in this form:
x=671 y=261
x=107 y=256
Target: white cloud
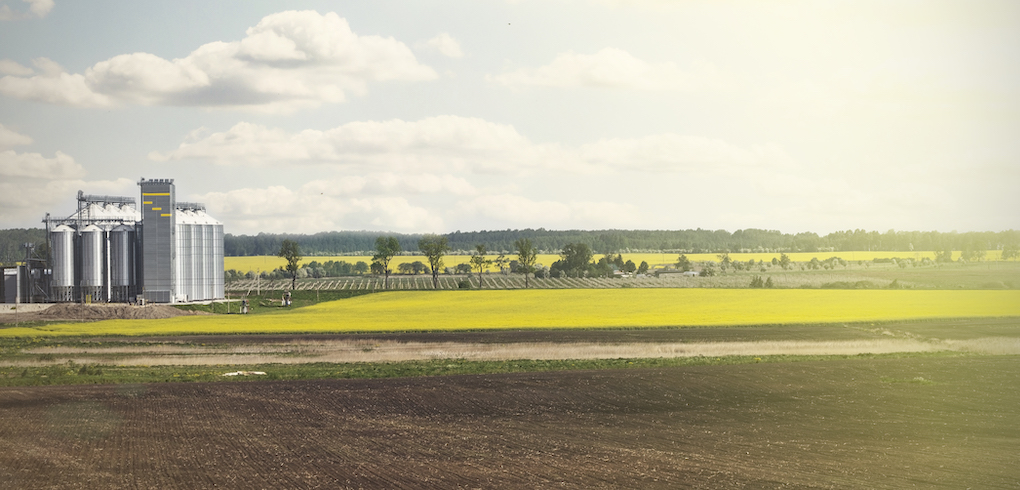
x=521 y=211
x=613 y=68
x=31 y=183
x=460 y=144
x=443 y=44
x=288 y=61
x=392 y=183
x=40 y=7
x=442 y=143
x=33 y=165
x=36 y=8
x=11 y=67
x=9 y=138
x=682 y=153
x=280 y=209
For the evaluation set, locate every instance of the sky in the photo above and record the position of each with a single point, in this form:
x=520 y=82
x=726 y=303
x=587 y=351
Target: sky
x=436 y=116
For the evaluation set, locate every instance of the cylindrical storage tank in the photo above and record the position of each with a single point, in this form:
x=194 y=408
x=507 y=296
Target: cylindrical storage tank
x=217 y=254
x=122 y=263
x=122 y=256
x=184 y=258
x=208 y=261
x=62 y=238
x=92 y=256
x=62 y=280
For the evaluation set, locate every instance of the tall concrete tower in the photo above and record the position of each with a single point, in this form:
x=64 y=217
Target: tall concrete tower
x=158 y=242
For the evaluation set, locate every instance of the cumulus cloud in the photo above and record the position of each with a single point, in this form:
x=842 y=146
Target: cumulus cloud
x=391 y=183
x=395 y=203
x=288 y=61
x=461 y=144
x=612 y=68
x=278 y=208
x=442 y=143
x=11 y=67
x=443 y=44
x=36 y=8
x=9 y=138
x=31 y=183
x=34 y=165
x=521 y=211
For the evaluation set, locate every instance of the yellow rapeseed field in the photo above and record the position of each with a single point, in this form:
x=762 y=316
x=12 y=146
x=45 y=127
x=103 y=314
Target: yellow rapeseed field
x=268 y=263
x=571 y=308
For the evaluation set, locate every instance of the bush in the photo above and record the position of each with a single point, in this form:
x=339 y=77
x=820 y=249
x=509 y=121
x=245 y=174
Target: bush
x=464 y=284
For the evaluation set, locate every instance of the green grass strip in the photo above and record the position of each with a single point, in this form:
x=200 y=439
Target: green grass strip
x=74 y=374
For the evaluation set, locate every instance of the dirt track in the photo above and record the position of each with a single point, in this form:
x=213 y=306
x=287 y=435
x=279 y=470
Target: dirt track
x=890 y=423
x=991 y=336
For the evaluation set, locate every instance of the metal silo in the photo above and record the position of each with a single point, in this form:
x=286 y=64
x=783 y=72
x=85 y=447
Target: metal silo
x=122 y=263
x=62 y=285
x=217 y=259
x=206 y=286
x=183 y=288
x=92 y=262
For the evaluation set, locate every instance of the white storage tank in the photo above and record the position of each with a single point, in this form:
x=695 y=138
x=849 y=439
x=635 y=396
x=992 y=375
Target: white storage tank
x=122 y=262
x=92 y=256
x=92 y=263
x=62 y=285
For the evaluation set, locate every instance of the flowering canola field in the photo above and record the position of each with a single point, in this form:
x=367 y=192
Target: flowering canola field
x=571 y=308
x=268 y=263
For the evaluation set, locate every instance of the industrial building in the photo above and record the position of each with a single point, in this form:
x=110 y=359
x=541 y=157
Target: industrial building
x=109 y=251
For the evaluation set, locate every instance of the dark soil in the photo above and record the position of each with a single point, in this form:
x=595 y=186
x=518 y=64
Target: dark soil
x=888 y=423
x=961 y=328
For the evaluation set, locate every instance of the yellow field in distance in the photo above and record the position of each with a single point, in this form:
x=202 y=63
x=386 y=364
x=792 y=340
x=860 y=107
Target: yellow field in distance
x=570 y=308
x=269 y=263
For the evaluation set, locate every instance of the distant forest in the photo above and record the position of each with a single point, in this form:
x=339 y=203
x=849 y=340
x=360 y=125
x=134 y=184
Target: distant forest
x=600 y=241
x=606 y=241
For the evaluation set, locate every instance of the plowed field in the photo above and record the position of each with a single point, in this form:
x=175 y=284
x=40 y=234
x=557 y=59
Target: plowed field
x=888 y=423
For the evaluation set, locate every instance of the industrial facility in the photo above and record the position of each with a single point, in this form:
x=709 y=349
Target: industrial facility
x=108 y=251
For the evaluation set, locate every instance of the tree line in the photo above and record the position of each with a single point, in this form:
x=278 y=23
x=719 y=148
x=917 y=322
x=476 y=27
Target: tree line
x=433 y=247
x=599 y=241
x=616 y=241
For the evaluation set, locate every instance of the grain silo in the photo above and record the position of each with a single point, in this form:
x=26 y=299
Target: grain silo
x=122 y=263
x=92 y=263
x=62 y=251
x=109 y=251
x=199 y=240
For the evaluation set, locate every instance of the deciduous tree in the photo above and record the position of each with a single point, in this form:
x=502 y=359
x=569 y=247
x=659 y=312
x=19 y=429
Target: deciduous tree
x=479 y=262
x=683 y=263
x=290 y=251
x=501 y=262
x=434 y=247
x=385 y=248
x=576 y=258
x=526 y=257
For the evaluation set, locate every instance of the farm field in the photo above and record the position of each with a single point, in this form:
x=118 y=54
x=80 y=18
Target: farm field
x=849 y=423
x=975 y=275
x=87 y=360
x=268 y=263
x=568 y=308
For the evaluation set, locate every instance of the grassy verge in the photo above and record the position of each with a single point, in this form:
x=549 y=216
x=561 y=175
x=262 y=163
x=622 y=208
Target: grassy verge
x=71 y=373
x=270 y=301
